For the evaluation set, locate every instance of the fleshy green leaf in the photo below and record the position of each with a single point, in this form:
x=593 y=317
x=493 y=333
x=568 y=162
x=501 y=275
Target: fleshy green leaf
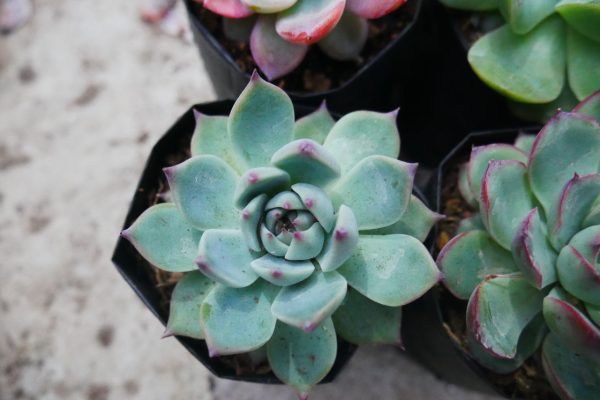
x=373 y=9
x=568 y=144
x=499 y=311
x=583 y=58
x=317 y=202
x=282 y=272
x=593 y=217
x=473 y=5
x=211 y=137
x=224 y=257
x=543 y=112
x=464 y=187
x=228 y=8
x=187 y=297
x=258 y=181
x=307 y=161
x=362 y=321
x=272 y=244
x=524 y=142
x=261 y=121
x=470 y=223
x=361 y=134
x=497 y=55
x=347 y=39
x=377 y=189
x=251 y=216
x=593 y=312
x=238 y=320
x=285 y=200
x=470 y=257
x=341 y=243
x=309 y=302
x=308 y=21
x=533 y=253
x=164 y=238
x=503 y=214
x=416 y=221
x=269 y=6
x=306 y=244
x=590 y=106
x=571 y=374
x=523 y=16
x=274 y=56
x=314 y=126
x=392 y=270
x=582 y=15
x=302 y=359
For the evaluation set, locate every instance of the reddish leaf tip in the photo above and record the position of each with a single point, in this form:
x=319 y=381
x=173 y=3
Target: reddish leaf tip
x=167 y=334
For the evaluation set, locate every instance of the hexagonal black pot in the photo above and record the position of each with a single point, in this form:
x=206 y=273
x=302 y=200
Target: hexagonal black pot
x=172 y=149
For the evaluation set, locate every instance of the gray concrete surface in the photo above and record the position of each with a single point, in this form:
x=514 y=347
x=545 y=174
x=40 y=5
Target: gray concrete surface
x=85 y=90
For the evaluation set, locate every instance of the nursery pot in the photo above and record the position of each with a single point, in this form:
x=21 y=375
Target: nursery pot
x=377 y=85
x=437 y=320
x=144 y=279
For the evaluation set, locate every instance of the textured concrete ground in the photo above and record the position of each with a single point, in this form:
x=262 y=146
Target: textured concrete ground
x=85 y=90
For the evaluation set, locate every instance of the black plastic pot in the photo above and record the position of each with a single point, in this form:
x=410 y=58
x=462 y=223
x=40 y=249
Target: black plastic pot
x=379 y=85
x=172 y=149
x=428 y=339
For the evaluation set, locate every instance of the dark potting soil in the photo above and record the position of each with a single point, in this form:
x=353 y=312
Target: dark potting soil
x=317 y=72
x=527 y=382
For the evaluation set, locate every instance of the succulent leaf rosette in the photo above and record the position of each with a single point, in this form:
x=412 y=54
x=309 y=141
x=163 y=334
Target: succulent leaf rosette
x=281 y=31
x=547 y=53
x=529 y=260
x=290 y=232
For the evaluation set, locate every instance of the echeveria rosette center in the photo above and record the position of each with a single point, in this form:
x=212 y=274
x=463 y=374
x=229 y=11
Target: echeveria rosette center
x=280 y=31
x=528 y=259
x=293 y=233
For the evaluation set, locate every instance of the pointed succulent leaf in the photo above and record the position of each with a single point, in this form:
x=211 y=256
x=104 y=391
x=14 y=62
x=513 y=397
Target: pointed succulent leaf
x=392 y=270
x=571 y=325
x=164 y=238
x=282 y=272
x=238 y=320
x=593 y=218
x=470 y=257
x=286 y=237
x=307 y=161
x=471 y=223
x=362 y=321
x=566 y=217
x=373 y=9
x=306 y=244
x=224 y=257
x=471 y=5
x=308 y=21
x=571 y=374
x=187 y=297
x=497 y=55
x=261 y=121
x=340 y=245
x=533 y=253
x=257 y=181
x=303 y=220
x=314 y=126
x=583 y=57
x=481 y=157
x=503 y=214
x=416 y=221
x=309 y=302
x=211 y=137
x=203 y=188
x=499 y=310
x=271 y=243
x=523 y=16
x=317 y=202
x=568 y=144
x=464 y=187
x=302 y=359
x=251 y=216
x=228 y=8
x=590 y=106
x=361 y=134
x=239 y=29
x=346 y=41
x=377 y=189
x=594 y=313
x=582 y=15
x=271 y=218
x=274 y=55
x=577 y=266
x=524 y=142
x=285 y=200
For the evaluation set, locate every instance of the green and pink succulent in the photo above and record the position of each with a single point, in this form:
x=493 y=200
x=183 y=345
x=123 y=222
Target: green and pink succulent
x=290 y=233
x=528 y=261
x=280 y=31
x=544 y=56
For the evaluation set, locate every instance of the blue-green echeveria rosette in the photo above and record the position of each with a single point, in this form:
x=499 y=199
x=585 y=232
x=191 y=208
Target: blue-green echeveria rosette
x=528 y=259
x=290 y=233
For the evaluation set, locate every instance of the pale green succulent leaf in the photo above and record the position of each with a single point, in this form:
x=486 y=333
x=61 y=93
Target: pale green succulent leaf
x=306 y=244
x=285 y=200
x=544 y=111
x=308 y=21
x=302 y=221
x=583 y=58
x=594 y=313
x=314 y=126
x=271 y=243
x=593 y=218
x=268 y=6
x=524 y=142
x=251 y=217
x=317 y=202
x=464 y=186
x=257 y=181
x=211 y=137
x=280 y=271
x=346 y=41
x=342 y=241
x=582 y=15
x=523 y=16
x=470 y=223
x=307 y=161
x=590 y=106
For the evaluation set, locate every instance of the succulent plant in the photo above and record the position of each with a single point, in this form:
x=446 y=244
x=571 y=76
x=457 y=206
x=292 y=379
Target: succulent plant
x=528 y=260
x=546 y=54
x=290 y=232
x=283 y=30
